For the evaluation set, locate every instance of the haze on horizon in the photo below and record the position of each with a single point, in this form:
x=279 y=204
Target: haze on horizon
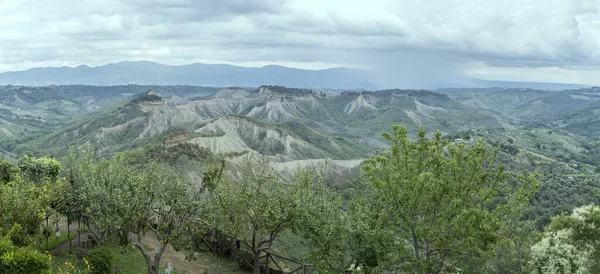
x=407 y=43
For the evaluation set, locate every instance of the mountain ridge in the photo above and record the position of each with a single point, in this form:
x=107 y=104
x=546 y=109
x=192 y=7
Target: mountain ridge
x=218 y=75
x=221 y=75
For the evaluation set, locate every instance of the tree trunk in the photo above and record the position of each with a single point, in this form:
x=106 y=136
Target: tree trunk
x=69 y=234
x=79 y=231
x=123 y=237
x=99 y=236
x=256 y=262
x=152 y=264
x=157 y=255
x=47 y=236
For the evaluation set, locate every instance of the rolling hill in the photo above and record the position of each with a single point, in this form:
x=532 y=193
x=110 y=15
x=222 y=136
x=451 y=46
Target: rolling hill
x=526 y=106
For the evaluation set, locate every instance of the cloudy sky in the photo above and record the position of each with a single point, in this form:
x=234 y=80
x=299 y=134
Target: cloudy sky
x=428 y=40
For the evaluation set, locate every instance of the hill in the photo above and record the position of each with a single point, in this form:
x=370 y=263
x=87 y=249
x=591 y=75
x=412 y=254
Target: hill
x=525 y=106
x=338 y=126
x=584 y=121
x=29 y=112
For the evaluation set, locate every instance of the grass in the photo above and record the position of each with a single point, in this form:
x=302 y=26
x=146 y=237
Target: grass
x=132 y=261
x=54 y=242
x=126 y=261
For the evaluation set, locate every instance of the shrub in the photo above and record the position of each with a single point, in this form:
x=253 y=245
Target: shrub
x=6 y=245
x=100 y=260
x=24 y=261
x=16 y=235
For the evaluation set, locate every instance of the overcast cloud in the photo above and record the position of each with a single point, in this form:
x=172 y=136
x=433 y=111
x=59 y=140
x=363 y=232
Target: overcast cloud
x=412 y=41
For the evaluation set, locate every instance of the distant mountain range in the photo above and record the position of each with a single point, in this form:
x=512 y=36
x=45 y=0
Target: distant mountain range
x=150 y=73
x=222 y=75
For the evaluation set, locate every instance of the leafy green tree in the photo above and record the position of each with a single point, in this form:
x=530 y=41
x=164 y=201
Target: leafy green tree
x=571 y=244
x=371 y=242
x=39 y=170
x=20 y=203
x=71 y=201
x=8 y=172
x=444 y=200
x=321 y=220
x=100 y=191
x=107 y=190
x=512 y=251
x=163 y=202
x=122 y=200
x=254 y=207
x=43 y=172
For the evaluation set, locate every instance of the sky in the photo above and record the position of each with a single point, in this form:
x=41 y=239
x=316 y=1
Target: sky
x=404 y=41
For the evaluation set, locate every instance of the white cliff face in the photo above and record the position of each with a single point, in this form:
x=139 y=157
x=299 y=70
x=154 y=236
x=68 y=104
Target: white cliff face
x=423 y=113
x=240 y=135
x=360 y=103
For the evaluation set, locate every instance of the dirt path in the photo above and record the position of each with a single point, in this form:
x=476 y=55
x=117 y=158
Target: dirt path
x=177 y=259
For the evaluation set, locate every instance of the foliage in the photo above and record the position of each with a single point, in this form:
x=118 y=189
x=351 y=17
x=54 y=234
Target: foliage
x=100 y=260
x=89 y=178
x=134 y=200
x=321 y=220
x=7 y=171
x=24 y=261
x=6 y=245
x=445 y=200
x=16 y=235
x=145 y=97
x=39 y=170
x=556 y=253
x=571 y=243
x=166 y=205
x=20 y=203
x=372 y=244
x=512 y=251
x=254 y=207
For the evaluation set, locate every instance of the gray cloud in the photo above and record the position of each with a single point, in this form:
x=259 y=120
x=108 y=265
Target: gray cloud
x=415 y=39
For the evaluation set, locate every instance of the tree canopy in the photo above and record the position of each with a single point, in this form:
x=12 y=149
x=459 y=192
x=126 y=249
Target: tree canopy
x=444 y=201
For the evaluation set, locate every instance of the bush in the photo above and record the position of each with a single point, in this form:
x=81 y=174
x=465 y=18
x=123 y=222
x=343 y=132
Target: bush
x=16 y=235
x=100 y=260
x=24 y=261
x=6 y=245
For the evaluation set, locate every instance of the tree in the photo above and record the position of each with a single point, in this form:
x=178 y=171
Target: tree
x=110 y=191
x=571 y=244
x=512 y=251
x=92 y=191
x=39 y=170
x=444 y=200
x=20 y=204
x=72 y=203
x=164 y=202
x=8 y=172
x=43 y=172
x=321 y=221
x=121 y=200
x=371 y=242
x=254 y=207
x=342 y=237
